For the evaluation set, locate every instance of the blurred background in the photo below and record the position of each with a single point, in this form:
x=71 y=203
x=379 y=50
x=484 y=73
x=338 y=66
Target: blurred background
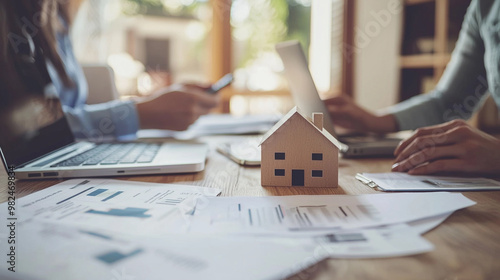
x=379 y=52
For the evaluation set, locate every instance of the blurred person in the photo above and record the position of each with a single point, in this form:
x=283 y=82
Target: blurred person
x=36 y=56
x=443 y=142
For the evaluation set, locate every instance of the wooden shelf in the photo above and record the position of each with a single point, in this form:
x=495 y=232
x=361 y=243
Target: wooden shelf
x=430 y=29
x=424 y=61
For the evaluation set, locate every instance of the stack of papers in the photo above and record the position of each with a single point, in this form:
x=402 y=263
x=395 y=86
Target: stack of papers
x=107 y=229
x=312 y=215
x=61 y=252
x=362 y=226
x=217 y=124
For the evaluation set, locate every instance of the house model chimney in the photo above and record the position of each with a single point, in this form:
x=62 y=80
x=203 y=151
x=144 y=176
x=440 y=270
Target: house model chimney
x=318 y=120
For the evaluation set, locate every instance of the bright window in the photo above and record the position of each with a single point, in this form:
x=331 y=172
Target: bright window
x=257 y=25
x=152 y=43
x=148 y=43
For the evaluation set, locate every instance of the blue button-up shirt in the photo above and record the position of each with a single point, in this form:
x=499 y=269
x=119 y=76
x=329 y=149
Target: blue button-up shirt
x=111 y=120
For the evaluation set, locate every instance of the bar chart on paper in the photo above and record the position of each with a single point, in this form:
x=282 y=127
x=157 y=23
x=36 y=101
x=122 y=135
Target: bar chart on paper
x=167 y=197
x=127 y=212
x=107 y=194
x=122 y=192
x=116 y=256
x=113 y=205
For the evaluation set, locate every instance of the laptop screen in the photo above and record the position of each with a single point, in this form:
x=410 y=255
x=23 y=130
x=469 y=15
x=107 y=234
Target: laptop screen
x=31 y=126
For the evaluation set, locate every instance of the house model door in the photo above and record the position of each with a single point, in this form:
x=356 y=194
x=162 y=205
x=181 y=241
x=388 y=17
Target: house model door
x=298 y=177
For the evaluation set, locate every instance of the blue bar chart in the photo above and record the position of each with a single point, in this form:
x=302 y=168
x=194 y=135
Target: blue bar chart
x=127 y=212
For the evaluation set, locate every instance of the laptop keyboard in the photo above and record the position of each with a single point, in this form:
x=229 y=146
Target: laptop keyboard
x=112 y=154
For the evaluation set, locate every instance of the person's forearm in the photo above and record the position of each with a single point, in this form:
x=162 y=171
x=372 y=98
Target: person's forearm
x=385 y=124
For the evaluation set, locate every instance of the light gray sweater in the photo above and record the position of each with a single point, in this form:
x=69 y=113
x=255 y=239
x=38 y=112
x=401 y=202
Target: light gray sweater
x=474 y=70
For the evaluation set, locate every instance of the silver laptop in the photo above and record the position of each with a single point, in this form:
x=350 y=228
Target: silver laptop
x=306 y=97
x=36 y=140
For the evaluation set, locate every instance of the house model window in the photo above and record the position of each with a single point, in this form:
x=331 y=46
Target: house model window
x=298 y=152
x=279 y=172
x=317 y=173
x=317 y=156
x=279 y=156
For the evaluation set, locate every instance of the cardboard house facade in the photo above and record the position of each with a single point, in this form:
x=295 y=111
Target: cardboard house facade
x=298 y=152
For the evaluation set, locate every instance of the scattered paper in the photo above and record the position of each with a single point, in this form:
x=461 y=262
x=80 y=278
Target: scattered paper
x=308 y=215
x=394 y=241
x=57 y=252
x=424 y=225
x=114 y=205
x=396 y=181
x=217 y=124
x=111 y=229
x=77 y=253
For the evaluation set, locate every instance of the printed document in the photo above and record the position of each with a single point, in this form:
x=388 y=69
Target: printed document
x=83 y=254
x=309 y=215
x=54 y=252
x=114 y=205
x=217 y=124
x=395 y=181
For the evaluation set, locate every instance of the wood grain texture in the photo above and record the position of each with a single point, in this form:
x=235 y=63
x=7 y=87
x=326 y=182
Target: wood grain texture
x=467 y=244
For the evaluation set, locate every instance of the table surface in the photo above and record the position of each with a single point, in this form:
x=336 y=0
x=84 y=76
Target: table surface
x=467 y=244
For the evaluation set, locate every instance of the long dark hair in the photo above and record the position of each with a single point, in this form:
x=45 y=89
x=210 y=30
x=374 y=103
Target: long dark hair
x=42 y=19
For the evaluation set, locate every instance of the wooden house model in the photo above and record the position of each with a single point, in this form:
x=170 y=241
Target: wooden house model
x=298 y=152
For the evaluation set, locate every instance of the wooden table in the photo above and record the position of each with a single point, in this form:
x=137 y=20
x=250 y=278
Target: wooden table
x=467 y=244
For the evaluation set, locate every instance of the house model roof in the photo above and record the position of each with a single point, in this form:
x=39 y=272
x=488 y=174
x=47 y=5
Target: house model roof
x=289 y=115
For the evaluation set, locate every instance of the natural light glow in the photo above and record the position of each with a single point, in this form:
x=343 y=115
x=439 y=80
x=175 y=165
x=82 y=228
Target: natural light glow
x=172 y=5
x=306 y=3
x=125 y=66
x=255 y=105
x=195 y=31
x=126 y=72
x=113 y=10
x=240 y=10
x=144 y=84
x=320 y=52
x=187 y=2
x=263 y=73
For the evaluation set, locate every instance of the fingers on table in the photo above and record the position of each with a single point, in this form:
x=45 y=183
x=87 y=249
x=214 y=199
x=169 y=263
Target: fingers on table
x=427 y=155
x=433 y=135
x=433 y=149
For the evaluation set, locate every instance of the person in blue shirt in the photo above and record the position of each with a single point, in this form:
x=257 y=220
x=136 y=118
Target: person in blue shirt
x=443 y=142
x=36 y=55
